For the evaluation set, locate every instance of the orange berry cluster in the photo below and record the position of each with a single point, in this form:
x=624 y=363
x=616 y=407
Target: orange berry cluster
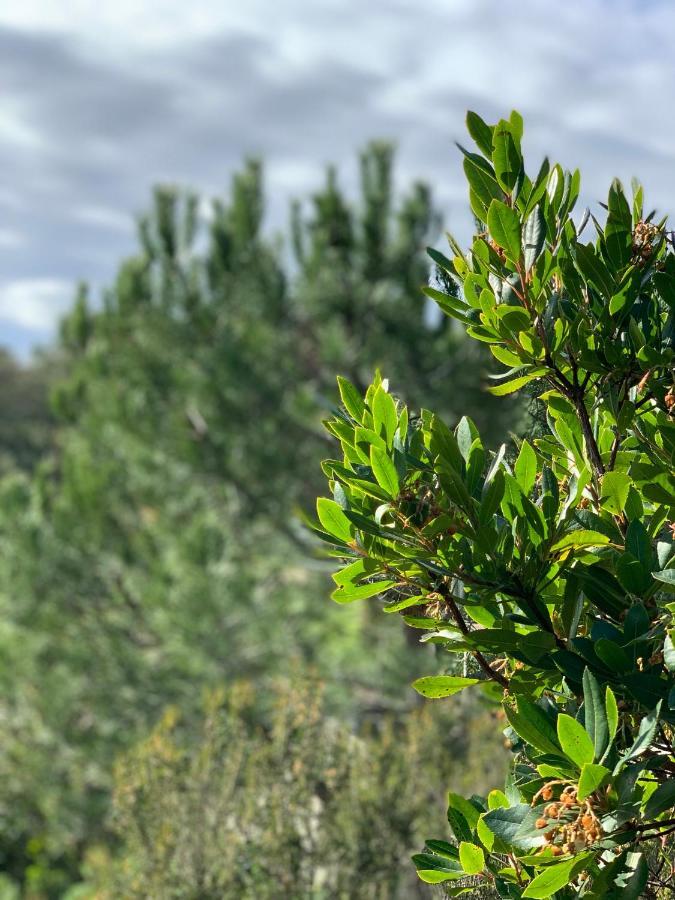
x=644 y=236
x=570 y=825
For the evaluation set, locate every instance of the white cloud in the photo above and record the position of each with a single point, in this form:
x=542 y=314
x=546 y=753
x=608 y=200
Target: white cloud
x=102 y=100
x=35 y=303
x=10 y=239
x=104 y=217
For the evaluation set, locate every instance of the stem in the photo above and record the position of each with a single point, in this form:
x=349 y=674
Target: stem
x=461 y=624
x=666 y=823
x=589 y=437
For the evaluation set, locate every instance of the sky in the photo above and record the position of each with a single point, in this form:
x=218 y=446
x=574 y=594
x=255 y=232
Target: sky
x=100 y=101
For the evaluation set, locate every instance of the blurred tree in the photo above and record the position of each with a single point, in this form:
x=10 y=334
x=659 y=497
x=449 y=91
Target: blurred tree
x=27 y=424
x=303 y=808
x=149 y=559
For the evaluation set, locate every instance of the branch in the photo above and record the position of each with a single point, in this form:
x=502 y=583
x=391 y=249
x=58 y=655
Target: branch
x=493 y=674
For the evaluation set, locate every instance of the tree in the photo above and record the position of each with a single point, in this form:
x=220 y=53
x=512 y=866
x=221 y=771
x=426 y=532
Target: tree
x=27 y=424
x=153 y=556
x=550 y=574
x=233 y=810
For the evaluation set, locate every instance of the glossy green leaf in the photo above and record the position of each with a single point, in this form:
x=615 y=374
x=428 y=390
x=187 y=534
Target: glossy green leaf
x=434 y=869
x=612 y=711
x=435 y=686
x=333 y=519
x=504 y=225
x=575 y=742
x=662 y=800
x=351 y=592
x=577 y=540
x=505 y=156
x=614 y=491
x=531 y=723
x=666 y=576
x=385 y=418
x=595 y=715
x=646 y=733
x=515 y=384
x=534 y=237
x=526 y=467
x=384 y=470
x=472 y=858
x=515 y=826
x=481 y=178
x=669 y=652
x=480 y=132
x=592 y=777
x=351 y=399
x=555 y=877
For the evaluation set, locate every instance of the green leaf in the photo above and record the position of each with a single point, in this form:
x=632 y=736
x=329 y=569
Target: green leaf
x=442 y=262
x=612 y=710
x=602 y=589
x=385 y=419
x=405 y=603
x=612 y=655
x=443 y=848
x=504 y=225
x=669 y=652
x=595 y=717
x=349 y=593
x=435 y=686
x=515 y=826
x=531 y=724
x=351 y=399
x=497 y=799
x=493 y=491
x=614 y=491
x=592 y=777
x=526 y=467
x=556 y=877
x=632 y=880
x=472 y=858
x=510 y=387
x=434 y=869
x=356 y=571
x=482 y=180
x=534 y=237
x=645 y=736
x=667 y=576
x=575 y=742
x=333 y=519
x=580 y=539
x=632 y=574
x=462 y=817
x=481 y=132
x=661 y=800
x=594 y=270
x=505 y=156
x=384 y=470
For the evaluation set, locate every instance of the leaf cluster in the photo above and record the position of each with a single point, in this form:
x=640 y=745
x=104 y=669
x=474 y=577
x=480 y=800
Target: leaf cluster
x=551 y=569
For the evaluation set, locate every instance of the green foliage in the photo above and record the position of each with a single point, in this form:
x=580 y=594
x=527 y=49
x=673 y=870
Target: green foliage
x=153 y=553
x=27 y=425
x=302 y=808
x=549 y=575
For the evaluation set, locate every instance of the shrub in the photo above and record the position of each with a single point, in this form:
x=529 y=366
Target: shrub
x=550 y=571
x=299 y=807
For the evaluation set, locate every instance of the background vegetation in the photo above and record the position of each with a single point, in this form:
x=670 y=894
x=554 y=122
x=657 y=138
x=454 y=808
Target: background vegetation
x=161 y=609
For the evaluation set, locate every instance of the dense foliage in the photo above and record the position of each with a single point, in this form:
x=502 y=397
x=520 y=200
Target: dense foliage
x=149 y=555
x=294 y=810
x=549 y=572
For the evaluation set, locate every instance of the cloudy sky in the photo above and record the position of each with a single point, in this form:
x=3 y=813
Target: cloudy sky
x=99 y=101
